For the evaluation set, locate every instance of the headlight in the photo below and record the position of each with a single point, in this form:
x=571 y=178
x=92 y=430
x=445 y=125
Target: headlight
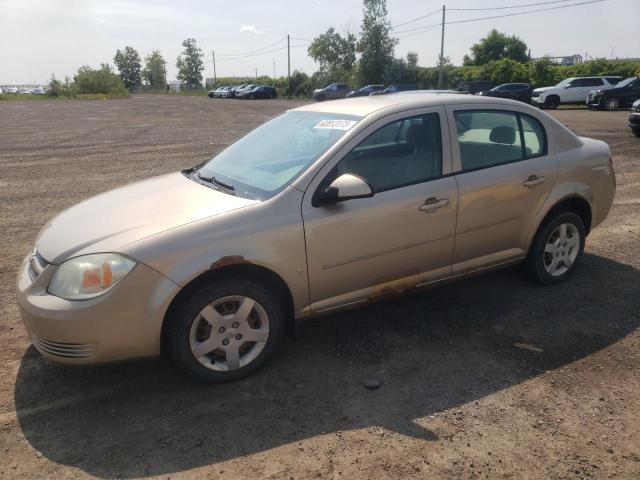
x=89 y=276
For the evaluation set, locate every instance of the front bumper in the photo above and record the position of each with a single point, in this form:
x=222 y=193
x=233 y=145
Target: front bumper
x=123 y=323
x=634 y=119
x=594 y=101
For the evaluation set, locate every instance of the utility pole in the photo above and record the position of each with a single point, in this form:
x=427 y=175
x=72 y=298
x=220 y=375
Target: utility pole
x=288 y=57
x=215 y=78
x=440 y=74
x=256 y=73
x=274 y=69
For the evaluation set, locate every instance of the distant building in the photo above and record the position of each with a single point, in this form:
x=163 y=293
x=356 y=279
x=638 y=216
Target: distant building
x=175 y=86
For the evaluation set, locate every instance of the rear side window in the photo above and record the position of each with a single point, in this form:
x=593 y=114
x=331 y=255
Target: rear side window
x=535 y=141
x=492 y=137
x=592 y=82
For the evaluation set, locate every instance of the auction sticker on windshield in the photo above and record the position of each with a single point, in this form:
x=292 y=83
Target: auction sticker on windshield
x=336 y=124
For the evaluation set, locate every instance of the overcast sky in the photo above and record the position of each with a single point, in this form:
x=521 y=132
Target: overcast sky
x=38 y=38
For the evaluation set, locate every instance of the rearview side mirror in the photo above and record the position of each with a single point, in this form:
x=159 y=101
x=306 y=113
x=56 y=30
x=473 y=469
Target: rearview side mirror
x=346 y=187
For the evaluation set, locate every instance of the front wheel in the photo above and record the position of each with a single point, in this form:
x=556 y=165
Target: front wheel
x=556 y=249
x=636 y=131
x=552 y=102
x=225 y=330
x=611 y=104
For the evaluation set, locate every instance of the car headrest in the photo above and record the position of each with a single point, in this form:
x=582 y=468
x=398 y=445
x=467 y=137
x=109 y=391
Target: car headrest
x=503 y=134
x=419 y=136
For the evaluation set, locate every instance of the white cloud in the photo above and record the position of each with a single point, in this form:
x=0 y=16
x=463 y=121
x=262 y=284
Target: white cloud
x=249 y=29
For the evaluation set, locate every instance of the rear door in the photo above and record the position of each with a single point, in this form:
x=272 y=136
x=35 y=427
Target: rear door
x=504 y=175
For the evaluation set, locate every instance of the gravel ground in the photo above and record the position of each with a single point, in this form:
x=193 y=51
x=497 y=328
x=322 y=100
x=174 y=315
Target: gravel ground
x=490 y=377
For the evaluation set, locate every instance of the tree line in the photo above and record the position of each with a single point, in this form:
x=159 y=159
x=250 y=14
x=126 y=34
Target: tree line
x=344 y=57
x=132 y=75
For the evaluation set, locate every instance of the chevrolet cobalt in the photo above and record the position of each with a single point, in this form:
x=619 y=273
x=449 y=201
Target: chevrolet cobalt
x=327 y=206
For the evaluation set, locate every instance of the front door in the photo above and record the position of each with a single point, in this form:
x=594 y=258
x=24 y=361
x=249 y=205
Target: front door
x=505 y=176
x=402 y=236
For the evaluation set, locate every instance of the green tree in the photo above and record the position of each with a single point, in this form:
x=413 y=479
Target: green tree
x=102 y=80
x=128 y=63
x=496 y=46
x=190 y=65
x=376 y=44
x=155 y=73
x=505 y=71
x=543 y=73
x=335 y=54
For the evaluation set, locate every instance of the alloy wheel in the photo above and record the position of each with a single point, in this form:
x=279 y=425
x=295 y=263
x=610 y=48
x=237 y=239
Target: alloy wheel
x=611 y=104
x=561 y=249
x=229 y=333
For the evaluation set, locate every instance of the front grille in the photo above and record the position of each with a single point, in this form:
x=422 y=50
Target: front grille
x=36 y=265
x=535 y=94
x=65 y=350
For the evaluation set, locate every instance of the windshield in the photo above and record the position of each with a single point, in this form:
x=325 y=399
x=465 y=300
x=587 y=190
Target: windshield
x=625 y=82
x=265 y=161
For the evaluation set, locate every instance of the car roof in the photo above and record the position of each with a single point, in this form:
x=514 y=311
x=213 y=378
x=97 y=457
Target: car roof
x=363 y=106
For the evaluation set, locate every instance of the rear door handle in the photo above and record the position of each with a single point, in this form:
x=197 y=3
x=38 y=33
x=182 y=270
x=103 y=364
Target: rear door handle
x=432 y=204
x=533 y=180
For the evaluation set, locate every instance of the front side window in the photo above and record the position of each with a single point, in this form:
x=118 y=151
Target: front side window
x=401 y=153
x=266 y=160
x=492 y=137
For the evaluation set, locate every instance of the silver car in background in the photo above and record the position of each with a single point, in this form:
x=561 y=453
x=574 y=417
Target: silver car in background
x=327 y=206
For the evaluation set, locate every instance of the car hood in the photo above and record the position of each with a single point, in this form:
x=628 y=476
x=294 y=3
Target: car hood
x=111 y=220
x=542 y=89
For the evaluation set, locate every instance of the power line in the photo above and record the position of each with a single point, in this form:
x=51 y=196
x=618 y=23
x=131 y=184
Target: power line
x=393 y=27
x=240 y=57
x=426 y=28
x=524 y=13
x=512 y=6
x=253 y=51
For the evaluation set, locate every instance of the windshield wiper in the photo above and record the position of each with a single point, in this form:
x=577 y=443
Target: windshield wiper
x=215 y=181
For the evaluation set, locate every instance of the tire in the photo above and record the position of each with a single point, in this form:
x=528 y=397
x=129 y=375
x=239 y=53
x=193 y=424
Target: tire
x=187 y=329
x=611 y=104
x=636 y=131
x=552 y=102
x=321 y=98
x=548 y=246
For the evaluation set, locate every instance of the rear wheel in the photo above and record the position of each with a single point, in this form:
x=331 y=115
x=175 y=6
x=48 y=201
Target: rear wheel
x=556 y=249
x=226 y=330
x=611 y=104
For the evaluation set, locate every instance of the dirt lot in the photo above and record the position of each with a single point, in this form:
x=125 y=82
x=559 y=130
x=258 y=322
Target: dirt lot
x=491 y=377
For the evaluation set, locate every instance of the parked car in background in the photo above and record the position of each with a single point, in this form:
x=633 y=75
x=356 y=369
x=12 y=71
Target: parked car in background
x=475 y=86
x=513 y=91
x=258 y=91
x=234 y=90
x=621 y=95
x=395 y=88
x=213 y=93
x=212 y=264
x=11 y=90
x=634 y=118
x=225 y=92
x=331 y=92
x=364 y=91
x=570 y=90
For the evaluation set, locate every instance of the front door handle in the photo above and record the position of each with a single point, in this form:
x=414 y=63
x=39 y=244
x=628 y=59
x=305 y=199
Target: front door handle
x=532 y=181
x=432 y=204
